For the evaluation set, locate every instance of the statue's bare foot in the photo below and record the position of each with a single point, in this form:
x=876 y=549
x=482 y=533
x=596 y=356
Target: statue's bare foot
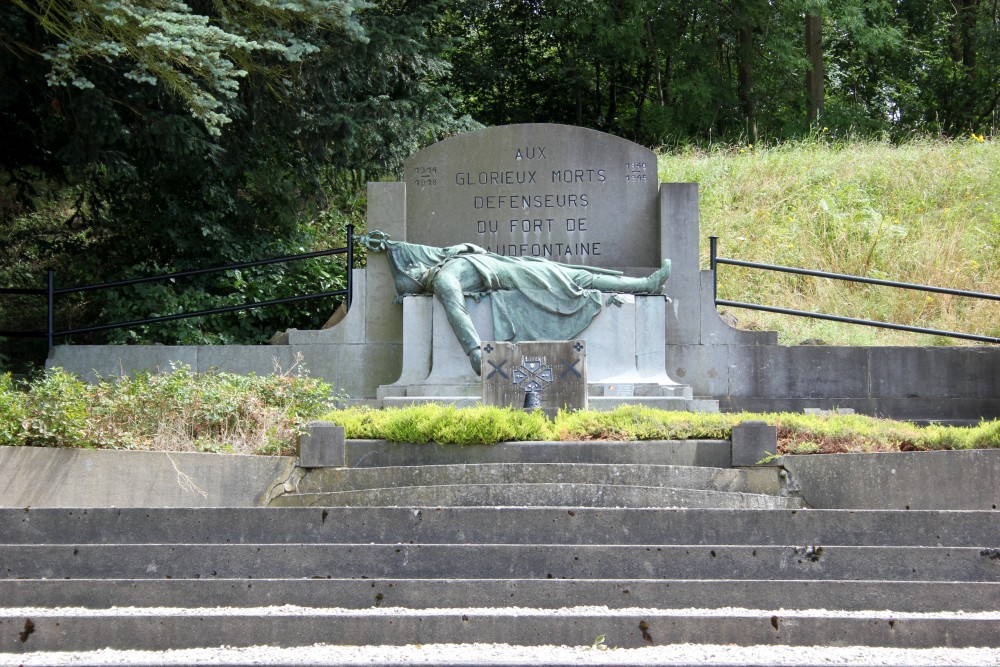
x=656 y=281
x=476 y=358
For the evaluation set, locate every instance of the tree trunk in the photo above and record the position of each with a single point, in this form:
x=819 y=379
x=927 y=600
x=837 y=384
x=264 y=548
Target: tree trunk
x=815 y=73
x=640 y=98
x=654 y=55
x=598 y=95
x=612 y=97
x=744 y=64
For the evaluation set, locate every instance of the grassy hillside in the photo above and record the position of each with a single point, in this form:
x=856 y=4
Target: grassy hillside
x=923 y=212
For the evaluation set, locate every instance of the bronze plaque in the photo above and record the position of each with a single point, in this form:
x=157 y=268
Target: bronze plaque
x=543 y=374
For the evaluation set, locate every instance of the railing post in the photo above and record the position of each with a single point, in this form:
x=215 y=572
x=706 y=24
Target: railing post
x=350 y=265
x=50 y=298
x=713 y=253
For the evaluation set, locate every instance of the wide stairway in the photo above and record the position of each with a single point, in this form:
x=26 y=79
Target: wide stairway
x=501 y=563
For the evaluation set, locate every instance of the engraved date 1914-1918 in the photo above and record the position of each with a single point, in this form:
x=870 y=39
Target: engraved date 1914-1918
x=425 y=175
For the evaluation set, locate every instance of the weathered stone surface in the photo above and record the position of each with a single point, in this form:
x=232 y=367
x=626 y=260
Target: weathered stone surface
x=714 y=453
x=961 y=480
x=50 y=477
x=321 y=446
x=73 y=631
x=496 y=525
x=753 y=441
x=493 y=561
x=902 y=596
x=564 y=193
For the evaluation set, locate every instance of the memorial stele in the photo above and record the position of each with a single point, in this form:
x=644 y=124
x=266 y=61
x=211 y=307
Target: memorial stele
x=560 y=193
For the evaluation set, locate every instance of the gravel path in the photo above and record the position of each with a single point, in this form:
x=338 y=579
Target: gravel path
x=505 y=654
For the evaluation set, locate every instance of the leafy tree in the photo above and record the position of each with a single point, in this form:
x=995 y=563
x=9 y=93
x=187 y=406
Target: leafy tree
x=661 y=70
x=178 y=135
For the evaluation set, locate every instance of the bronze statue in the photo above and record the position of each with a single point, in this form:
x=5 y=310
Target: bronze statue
x=532 y=298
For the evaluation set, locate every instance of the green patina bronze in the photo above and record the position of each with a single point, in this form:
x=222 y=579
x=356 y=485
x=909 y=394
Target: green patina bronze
x=532 y=298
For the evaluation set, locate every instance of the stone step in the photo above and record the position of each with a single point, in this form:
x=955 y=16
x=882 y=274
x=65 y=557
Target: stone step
x=903 y=596
x=514 y=525
x=536 y=495
x=380 y=453
x=60 y=629
x=495 y=561
x=678 y=477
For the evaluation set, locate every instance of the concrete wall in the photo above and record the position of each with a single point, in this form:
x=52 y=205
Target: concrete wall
x=961 y=480
x=50 y=477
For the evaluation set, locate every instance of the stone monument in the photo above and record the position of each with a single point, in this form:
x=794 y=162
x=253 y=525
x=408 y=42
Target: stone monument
x=530 y=196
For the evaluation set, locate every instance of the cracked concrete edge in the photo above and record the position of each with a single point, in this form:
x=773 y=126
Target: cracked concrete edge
x=287 y=481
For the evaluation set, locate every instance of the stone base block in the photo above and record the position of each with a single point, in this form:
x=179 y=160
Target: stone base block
x=752 y=442
x=322 y=446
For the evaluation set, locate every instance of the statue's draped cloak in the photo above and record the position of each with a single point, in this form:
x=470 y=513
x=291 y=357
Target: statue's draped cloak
x=532 y=298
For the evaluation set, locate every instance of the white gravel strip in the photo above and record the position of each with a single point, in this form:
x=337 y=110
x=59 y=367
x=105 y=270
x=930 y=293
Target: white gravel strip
x=506 y=654
x=569 y=612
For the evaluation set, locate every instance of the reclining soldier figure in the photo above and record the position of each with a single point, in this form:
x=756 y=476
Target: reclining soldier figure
x=532 y=298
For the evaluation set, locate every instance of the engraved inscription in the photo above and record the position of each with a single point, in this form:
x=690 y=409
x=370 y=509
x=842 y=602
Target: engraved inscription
x=635 y=172
x=424 y=176
x=557 y=192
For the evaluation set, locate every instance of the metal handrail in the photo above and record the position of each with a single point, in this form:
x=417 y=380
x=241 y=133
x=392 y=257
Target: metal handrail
x=50 y=292
x=715 y=260
x=196 y=272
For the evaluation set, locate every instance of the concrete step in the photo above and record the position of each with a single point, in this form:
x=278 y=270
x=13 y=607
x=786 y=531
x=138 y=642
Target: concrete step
x=495 y=561
x=901 y=596
x=514 y=525
x=36 y=629
x=679 y=477
x=380 y=453
x=536 y=495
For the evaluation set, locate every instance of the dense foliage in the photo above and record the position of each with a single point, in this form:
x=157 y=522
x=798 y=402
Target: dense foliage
x=797 y=434
x=222 y=412
x=671 y=71
x=155 y=136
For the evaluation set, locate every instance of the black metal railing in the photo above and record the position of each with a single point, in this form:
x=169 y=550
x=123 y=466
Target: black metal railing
x=50 y=292
x=715 y=260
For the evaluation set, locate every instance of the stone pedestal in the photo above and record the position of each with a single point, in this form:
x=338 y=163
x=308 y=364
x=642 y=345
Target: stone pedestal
x=625 y=356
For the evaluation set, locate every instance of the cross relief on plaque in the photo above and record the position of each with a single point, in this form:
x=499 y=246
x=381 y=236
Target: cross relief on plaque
x=533 y=374
x=553 y=373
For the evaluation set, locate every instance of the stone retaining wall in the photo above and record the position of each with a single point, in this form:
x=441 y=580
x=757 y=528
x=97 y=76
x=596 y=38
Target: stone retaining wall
x=43 y=477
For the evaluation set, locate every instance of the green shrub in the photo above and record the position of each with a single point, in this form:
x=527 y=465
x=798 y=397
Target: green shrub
x=637 y=422
x=174 y=411
x=224 y=412
x=444 y=424
x=797 y=433
x=57 y=412
x=12 y=411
